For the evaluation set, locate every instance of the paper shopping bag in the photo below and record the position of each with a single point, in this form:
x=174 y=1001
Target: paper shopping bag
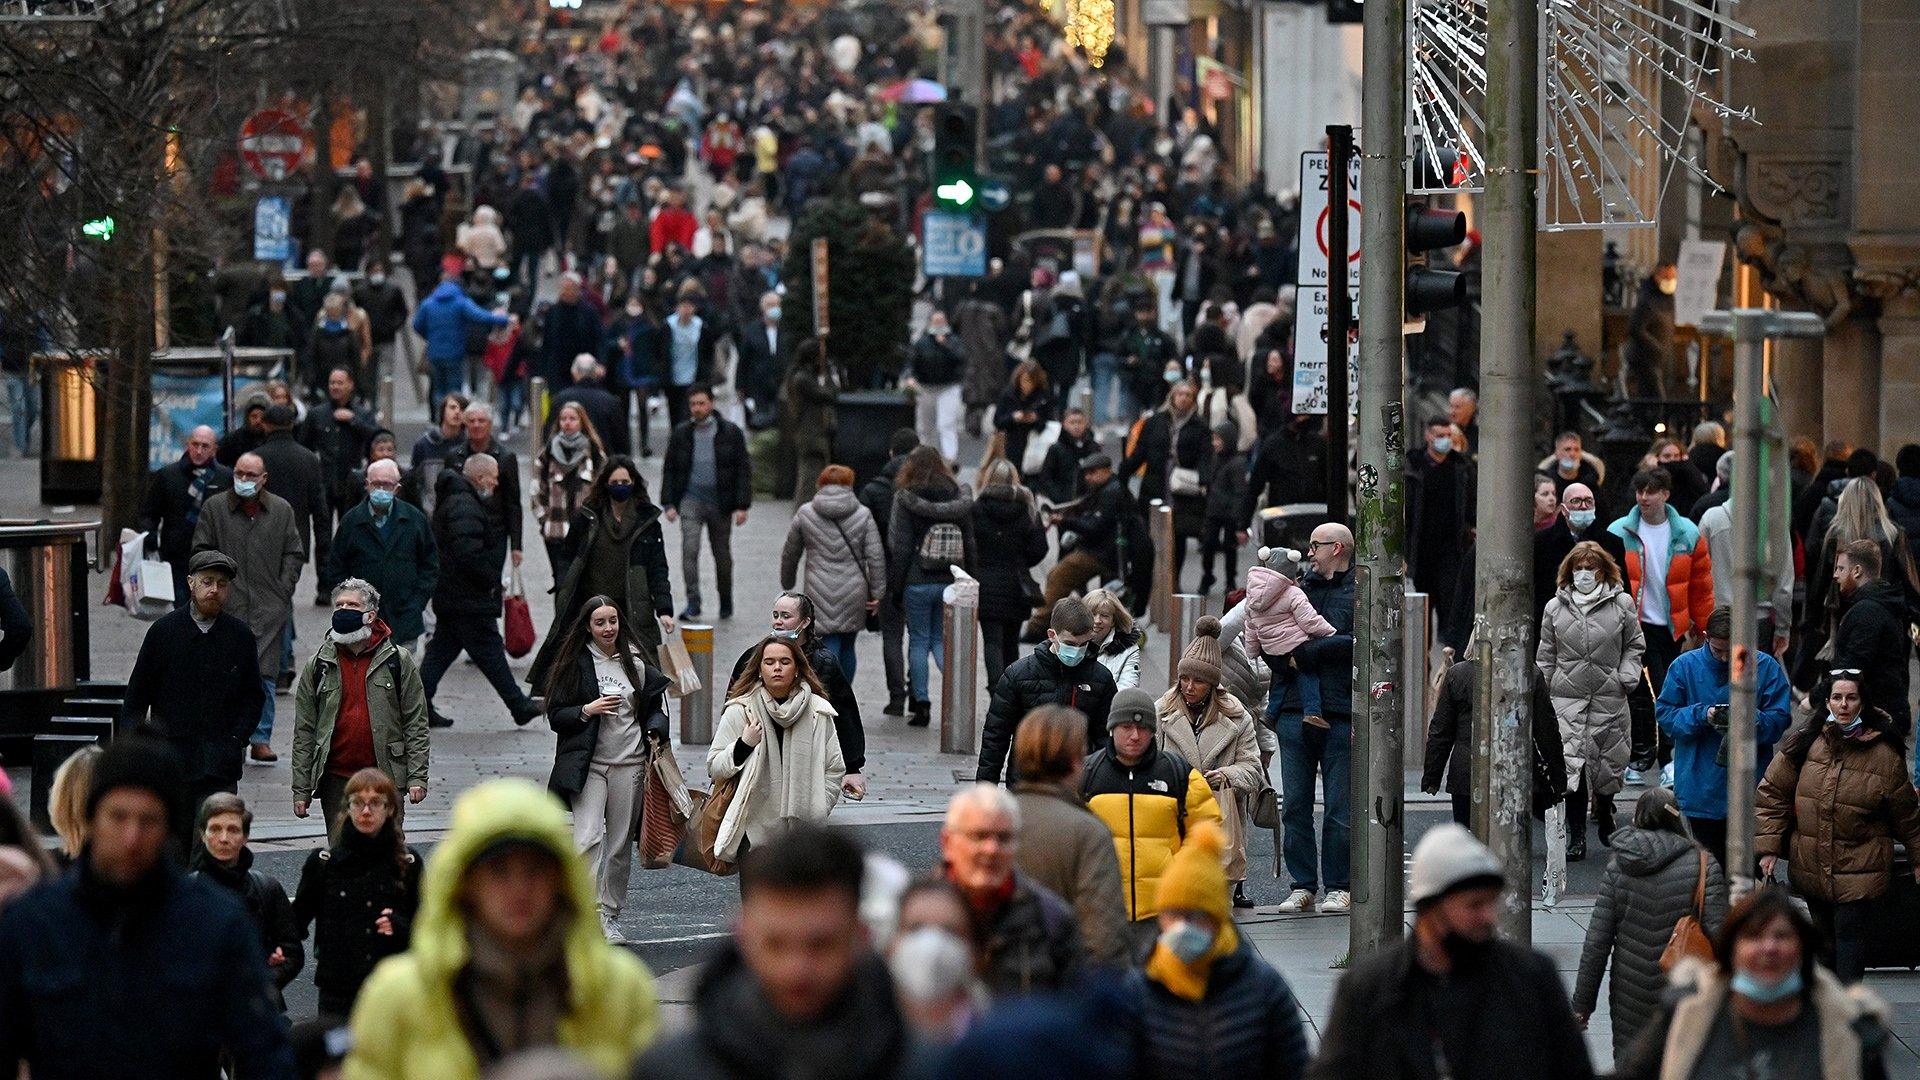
x=677 y=665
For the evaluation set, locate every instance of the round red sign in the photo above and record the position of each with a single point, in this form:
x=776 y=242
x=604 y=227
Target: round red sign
x=272 y=142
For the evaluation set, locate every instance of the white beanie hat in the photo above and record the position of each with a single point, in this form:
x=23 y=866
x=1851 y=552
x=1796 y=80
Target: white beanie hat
x=1445 y=859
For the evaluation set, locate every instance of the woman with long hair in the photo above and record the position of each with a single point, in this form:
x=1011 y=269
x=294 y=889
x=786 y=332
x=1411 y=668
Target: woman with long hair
x=1859 y=514
x=846 y=563
x=1116 y=641
x=794 y=620
x=606 y=705
x=614 y=547
x=1025 y=406
x=1656 y=871
x=360 y=894
x=930 y=533
x=563 y=473
x=776 y=735
x=1832 y=803
x=1590 y=655
x=1005 y=510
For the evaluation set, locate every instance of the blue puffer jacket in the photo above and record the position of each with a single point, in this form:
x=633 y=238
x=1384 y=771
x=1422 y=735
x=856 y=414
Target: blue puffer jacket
x=443 y=317
x=1696 y=682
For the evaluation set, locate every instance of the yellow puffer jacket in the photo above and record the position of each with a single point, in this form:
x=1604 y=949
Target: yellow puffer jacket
x=405 y=1026
x=1148 y=808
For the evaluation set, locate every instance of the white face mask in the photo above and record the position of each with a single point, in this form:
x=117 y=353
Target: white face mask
x=1443 y=445
x=1585 y=581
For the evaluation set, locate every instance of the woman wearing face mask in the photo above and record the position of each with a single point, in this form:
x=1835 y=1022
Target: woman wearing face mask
x=360 y=894
x=1005 y=511
x=1174 y=447
x=1205 y=724
x=1210 y=1007
x=776 y=734
x=793 y=620
x=562 y=476
x=934 y=963
x=607 y=706
x=1834 y=800
x=614 y=548
x=643 y=360
x=1688 y=483
x=1763 y=1007
x=1590 y=653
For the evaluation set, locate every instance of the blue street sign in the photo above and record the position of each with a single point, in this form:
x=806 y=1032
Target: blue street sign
x=272 y=229
x=954 y=245
x=995 y=195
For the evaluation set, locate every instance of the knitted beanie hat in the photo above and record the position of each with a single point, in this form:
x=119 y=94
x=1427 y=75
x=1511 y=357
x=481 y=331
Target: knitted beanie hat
x=141 y=761
x=1202 y=658
x=1195 y=880
x=1133 y=706
x=1446 y=859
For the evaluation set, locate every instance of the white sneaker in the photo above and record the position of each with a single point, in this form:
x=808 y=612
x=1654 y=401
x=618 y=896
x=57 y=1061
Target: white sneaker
x=610 y=929
x=1297 y=901
x=1338 y=902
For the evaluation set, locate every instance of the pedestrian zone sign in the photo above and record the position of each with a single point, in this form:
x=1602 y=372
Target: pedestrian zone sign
x=953 y=245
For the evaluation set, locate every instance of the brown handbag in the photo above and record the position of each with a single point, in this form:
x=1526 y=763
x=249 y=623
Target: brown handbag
x=703 y=830
x=1689 y=938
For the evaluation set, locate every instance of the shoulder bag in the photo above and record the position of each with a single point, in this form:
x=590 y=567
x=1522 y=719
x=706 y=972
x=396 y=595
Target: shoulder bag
x=1689 y=938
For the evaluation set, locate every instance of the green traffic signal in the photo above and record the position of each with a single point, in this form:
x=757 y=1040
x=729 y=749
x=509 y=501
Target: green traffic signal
x=100 y=228
x=957 y=193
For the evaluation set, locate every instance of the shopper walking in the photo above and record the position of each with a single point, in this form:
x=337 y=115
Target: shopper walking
x=785 y=776
x=563 y=473
x=1204 y=723
x=846 y=564
x=1005 y=511
x=359 y=894
x=707 y=486
x=931 y=533
x=1063 y=846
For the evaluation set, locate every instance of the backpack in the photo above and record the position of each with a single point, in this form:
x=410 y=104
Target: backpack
x=942 y=547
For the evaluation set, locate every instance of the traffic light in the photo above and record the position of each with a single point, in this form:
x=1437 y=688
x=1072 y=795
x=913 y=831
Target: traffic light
x=1345 y=11
x=956 y=176
x=100 y=228
x=1429 y=289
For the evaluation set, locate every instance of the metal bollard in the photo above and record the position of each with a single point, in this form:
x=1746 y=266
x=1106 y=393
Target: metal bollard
x=1186 y=610
x=1417 y=642
x=1160 y=604
x=959 y=677
x=696 y=709
x=386 y=400
x=536 y=416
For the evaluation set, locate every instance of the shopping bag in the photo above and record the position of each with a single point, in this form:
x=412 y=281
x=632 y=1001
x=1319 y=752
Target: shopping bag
x=146 y=585
x=519 y=631
x=703 y=830
x=677 y=665
x=1034 y=457
x=1689 y=938
x=665 y=809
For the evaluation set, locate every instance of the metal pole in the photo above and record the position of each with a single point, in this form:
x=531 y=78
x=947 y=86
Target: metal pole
x=959 y=679
x=1160 y=604
x=1187 y=609
x=1509 y=377
x=696 y=709
x=536 y=398
x=1339 y=314
x=1413 y=678
x=386 y=400
x=1377 y=779
x=1750 y=327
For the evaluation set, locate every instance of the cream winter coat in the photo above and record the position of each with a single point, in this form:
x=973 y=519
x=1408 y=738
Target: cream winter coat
x=793 y=775
x=1225 y=742
x=1590 y=655
x=846 y=559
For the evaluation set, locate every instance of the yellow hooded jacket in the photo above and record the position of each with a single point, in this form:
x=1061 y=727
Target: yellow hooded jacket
x=405 y=1026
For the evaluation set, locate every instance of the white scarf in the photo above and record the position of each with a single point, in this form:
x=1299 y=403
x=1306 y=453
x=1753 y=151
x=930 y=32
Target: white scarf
x=793 y=762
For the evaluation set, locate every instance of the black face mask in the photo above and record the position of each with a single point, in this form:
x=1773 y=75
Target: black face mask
x=620 y=492
x=347 y=620
x=1464 y=952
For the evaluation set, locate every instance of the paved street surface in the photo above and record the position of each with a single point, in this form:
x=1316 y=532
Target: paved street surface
x=675 y=915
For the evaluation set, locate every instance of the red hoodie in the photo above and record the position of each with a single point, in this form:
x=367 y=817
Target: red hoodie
x=352 y=746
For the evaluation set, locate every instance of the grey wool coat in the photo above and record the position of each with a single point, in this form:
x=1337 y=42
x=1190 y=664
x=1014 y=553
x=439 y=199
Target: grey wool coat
x=1649 y=885
x=846 y=560
x=1590 y=658
x=270 y=548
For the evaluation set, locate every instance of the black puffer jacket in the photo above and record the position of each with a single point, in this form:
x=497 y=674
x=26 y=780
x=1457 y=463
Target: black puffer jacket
x=473 y=547
x=1450 y=739
x=1031 y=944
x=847 y=724
x=266 y=900
x=578 y=733
x=1649 y=885
x=1248 y=1024
x=914 y=512
x=343 y=890
x=1059 y=478
x=1872 y=637
x=1105 y=520
x=1037 y=679
x=1016 y=542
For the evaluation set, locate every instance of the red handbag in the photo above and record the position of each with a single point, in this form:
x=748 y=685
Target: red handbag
x=519 y=630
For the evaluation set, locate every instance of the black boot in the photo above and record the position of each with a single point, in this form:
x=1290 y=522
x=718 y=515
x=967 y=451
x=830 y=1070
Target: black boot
x=1240 y=897
x=896 y=706
x=435 y=720
x=1576 y=849
x=922 y=714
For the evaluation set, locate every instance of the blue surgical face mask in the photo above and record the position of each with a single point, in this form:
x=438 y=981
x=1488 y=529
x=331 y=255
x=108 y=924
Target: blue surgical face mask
x=246 y=489
x=773 y=313
x=1443 y=445
x=1847 y=729
x=1187 y=942
x=1580 y=519
x=380 y=497
x=1070 y=655
x=620 y=492
x=1751 y=988
x=1570 y=463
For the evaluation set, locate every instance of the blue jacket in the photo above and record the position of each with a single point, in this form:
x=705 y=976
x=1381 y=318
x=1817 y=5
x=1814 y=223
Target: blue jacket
x=443 y=317
x=1695 y=683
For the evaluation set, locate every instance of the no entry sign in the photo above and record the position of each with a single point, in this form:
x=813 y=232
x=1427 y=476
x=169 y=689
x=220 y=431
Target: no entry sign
x=272 y=142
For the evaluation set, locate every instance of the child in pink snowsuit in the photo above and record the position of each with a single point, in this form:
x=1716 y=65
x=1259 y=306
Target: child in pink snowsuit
x=1282 y=626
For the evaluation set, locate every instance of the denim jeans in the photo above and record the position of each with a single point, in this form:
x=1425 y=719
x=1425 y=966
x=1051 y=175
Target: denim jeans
x=263 y=731
x=513 y=403
x=841 y=646
x=449 y=374
x=23 y=404
x=1304 y=753
x=1106 y=373
x=923 y=634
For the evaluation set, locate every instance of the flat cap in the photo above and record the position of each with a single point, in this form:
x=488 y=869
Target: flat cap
x=216 y=561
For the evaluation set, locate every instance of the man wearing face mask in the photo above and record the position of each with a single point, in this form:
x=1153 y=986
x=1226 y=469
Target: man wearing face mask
x=765 y=349
x=936 y=368
x=1569 y=464
x=359 y=704
x=1440 y=515
x=389 y=542
x=260 y=528
x=1582 y=514
x=1452 y=999
x=1059 y=671
x=387 y=315
x=175 y=497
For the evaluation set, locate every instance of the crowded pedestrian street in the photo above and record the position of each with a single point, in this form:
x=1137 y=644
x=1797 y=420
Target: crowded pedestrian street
x=765 y=538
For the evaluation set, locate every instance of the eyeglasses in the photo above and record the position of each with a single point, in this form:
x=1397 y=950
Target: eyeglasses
x=357 y=805
x=1315 y=545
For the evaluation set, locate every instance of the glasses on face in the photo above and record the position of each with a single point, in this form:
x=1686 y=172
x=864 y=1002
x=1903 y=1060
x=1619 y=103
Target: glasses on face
x=1316 y=545
x=384 y=485
x=366 y=806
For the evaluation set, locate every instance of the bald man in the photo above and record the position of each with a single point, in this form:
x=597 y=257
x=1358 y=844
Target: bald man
x=388 y=542
x=1309 y=752
x=174 y=497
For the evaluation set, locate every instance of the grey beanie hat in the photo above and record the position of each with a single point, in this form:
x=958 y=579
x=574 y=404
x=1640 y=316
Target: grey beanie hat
x=1133 y=706
x=1448 y=857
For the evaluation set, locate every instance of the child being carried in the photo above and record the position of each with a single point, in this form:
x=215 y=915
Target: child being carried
x=1285 y=629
